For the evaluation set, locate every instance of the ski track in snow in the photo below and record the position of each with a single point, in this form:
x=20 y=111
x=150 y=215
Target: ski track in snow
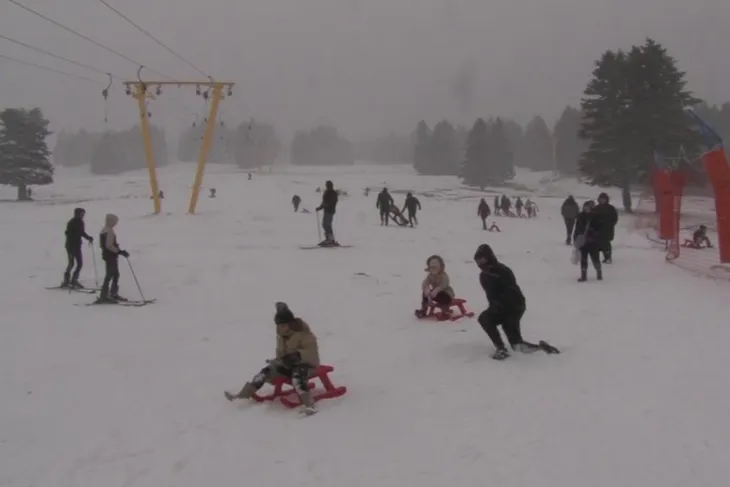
x=132 y=397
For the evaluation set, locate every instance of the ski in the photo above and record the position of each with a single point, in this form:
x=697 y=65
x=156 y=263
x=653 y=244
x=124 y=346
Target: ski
x=133 y=304
x=309 y=247
x=73 y=289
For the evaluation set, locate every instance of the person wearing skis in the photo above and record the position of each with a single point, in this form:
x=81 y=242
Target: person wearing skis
x=569 y=211
x=413 y=206
x=384 y=204
x=328 y=207
x=587 y=229
x=75 y=231
x=507 y=305
x=110 y=252
x=297 y=354
x=607 y=215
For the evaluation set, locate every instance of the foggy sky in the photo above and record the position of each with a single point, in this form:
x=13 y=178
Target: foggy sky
x=367 y=66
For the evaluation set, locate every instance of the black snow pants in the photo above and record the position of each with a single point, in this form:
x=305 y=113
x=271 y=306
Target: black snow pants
x=74 y=257
x=569 y=225
x=442 y=299
x=590 y=251
x=384 y=217
x=299 y=375
x=111 y=277
x=510 y=321
x=327 y=217
x=412 y=217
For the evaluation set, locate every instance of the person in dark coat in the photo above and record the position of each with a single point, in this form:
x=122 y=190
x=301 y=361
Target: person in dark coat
x=587 y=230
x=483 y=212
x=296 y=201
x=328 y=208
x=384 y=204
x=75 y=231
x=497 y=206
x=608 y=218
x=569 y=211
x=507 y=305
x=413 y=206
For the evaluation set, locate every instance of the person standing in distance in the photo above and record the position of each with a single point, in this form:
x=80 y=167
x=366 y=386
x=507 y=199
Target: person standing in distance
x=328 y=208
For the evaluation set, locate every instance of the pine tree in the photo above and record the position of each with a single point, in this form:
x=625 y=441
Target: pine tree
x=445 y=156
x=476 y=170
x=24 y=154
x=634 y=105
x=422 y=148
x=568 y=144
x=500 y=153
x=537 y=146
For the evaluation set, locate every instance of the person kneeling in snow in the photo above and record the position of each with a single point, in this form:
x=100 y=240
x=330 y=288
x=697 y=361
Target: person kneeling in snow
x=506 y=306
x=297 y=354
x=436 y=287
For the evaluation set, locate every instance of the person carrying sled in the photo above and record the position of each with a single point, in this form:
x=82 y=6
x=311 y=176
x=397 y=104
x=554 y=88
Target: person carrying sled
x=413 y=206
x=110 y=252
x=384 y=203
x=569 y=211
x=328 y=207
x=700 y=238
x=483 y=212
x=587 y=230
x=608 y=218
x=507 y=305
x=297 y=354
x=436 y=287
x=75 y=231
x=296 y=201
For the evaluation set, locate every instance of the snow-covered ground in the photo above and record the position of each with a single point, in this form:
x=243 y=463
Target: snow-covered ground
x=132 y=397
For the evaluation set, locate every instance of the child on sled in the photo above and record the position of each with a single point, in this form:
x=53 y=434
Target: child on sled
x=297 y=354
x=436 y=287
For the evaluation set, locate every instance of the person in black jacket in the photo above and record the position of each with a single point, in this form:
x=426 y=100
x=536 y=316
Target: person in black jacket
x=328 y=207
x=75 y=231
x=506 y=306
x=569 y=211
x=384 y=203
x=608 y=218
x=587 y=230
x=412 y=205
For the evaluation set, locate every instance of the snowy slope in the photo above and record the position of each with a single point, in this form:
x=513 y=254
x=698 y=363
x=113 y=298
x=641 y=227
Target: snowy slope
x=132 y=397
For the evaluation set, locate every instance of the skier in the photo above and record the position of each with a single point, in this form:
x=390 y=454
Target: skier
x=587 y=230
x=413 y=206
x=297 y=353
x=506 y=306
x=699 y=237
x=483 y=212
x=383 y=203
x=436 y=287
x=296 y=201
x=518 y=206
x=569 y=211
x=75 y=231
x=608 y=217
x=328 y=207
x=110 y=252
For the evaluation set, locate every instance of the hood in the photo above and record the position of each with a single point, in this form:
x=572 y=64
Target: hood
x=570 y=198
x=440 y=261
x=329 y=185
x=603 y=196
x=283 y=314
x=79 y=212
x=486 y=252
x=111 y=220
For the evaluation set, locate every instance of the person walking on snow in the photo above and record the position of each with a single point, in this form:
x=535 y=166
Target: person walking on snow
x=75 y=231
x=587 y=229
x=384 y=203
x=296 y=201
x=297 y=354
x=507 y=305
x=328 y=208
x=483 y=212
x=110 y=252
x=569 y=211
x=413 y=206
x=607 y=215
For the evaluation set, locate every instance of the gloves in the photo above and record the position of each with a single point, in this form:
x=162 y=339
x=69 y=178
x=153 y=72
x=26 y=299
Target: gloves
x=124 y=254
x=291 y=359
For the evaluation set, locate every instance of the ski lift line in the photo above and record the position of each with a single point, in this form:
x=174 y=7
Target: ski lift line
x=156 y=40
x=82 y=36
x=52 y=70
x=57 y=56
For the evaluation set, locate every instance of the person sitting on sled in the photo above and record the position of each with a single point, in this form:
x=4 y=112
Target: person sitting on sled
x=699 y=237
x=297 y=354
x=436 y=287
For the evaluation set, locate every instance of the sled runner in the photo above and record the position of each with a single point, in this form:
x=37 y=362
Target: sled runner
x=73 y=289
x=457 y=310
x=322 y=373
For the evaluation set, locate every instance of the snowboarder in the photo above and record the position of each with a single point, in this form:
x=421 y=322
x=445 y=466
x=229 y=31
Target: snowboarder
x=569 y=211
x=413 y=206
x=384 y=203
x=110 y=252
x=297 y=354
x=436 y=287
x=506 y=306
x=75 y=231
x=483 y=212
x=587 y=230
x=328 y=207
x=699 y=237
x=296 y=201
x=608 y=217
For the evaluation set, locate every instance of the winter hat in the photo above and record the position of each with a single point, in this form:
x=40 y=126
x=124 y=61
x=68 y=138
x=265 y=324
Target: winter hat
x=603 y=196
x=283 y=314
x=79 y=212
x=484 y=251
x=329 y=185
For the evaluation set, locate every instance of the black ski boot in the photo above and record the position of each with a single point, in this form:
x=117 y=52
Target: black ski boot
x=583 y=275
x=117 y=297
x=75 y=284
x=599 y=274
x=500 y=354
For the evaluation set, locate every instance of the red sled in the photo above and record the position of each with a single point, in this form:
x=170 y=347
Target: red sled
x=691 y=244
x=322 y=373
x=457 y=310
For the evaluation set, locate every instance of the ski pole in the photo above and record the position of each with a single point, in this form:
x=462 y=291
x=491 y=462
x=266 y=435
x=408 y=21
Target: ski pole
x=139 y=288
x=319 y=230
x=96 y=272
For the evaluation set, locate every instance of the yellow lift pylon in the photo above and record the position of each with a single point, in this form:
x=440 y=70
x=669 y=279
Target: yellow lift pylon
x=142 y=91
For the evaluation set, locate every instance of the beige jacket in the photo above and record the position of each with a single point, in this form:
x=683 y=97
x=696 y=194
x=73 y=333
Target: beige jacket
x=299 y=338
